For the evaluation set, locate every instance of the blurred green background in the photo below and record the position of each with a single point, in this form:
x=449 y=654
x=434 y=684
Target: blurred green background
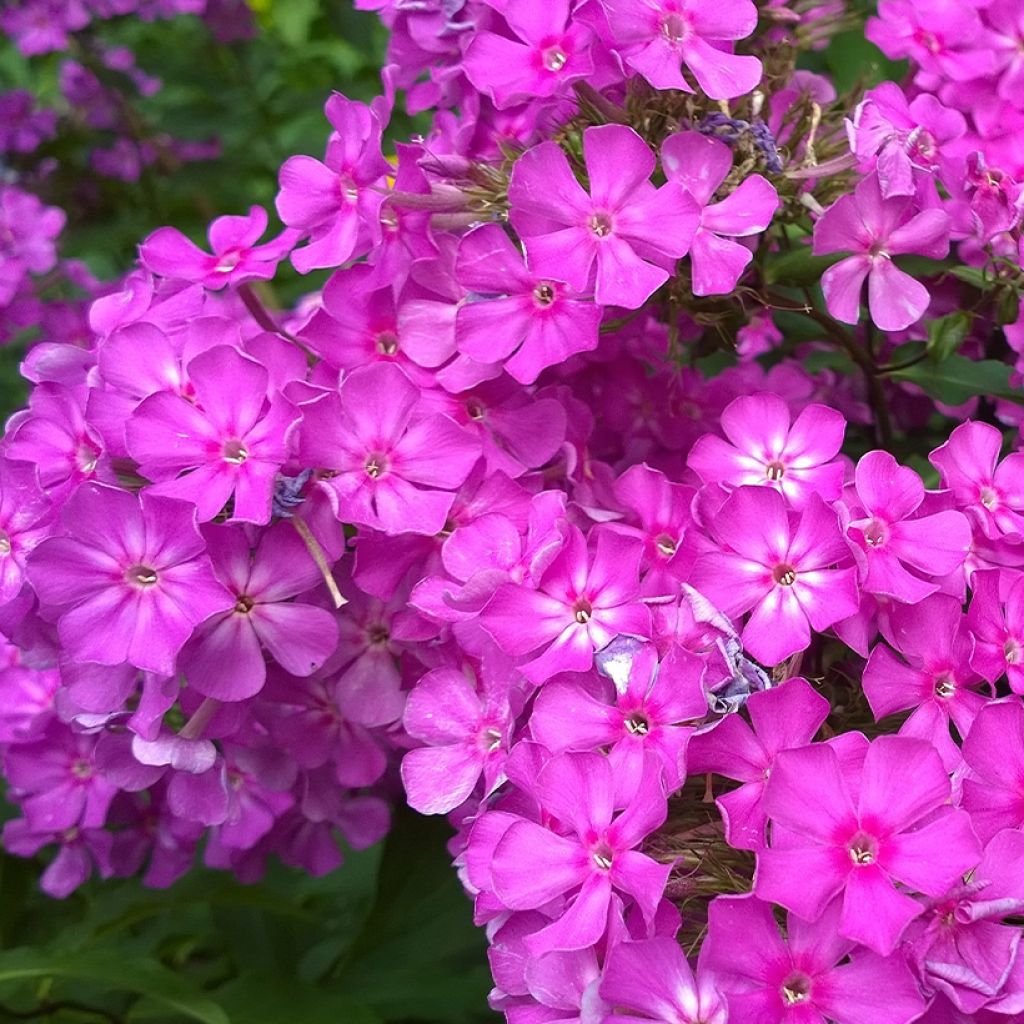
x=389 y=937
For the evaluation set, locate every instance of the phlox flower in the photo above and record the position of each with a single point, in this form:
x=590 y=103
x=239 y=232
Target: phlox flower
x=701 y=164
x=549 y=54
x=784 y=567
x=229 y=443
x=583 y=600
x=853 y=838
x=466 y=733
x=765 y=446
x=896 y=545
x=388 y=467
x=224 y=659
x=513 y=316
x=651 y=980
x=874 y=229
x=644 y=720
x=806 y=978
x=25 y=520
x=334 y=202
x=237 y=256
x=622 y=237
x=79 y=850
x=996 y=622
x=129 y=579
x=935 y=679
x=782 y=718
x=993 y=750
x=657 y=37
x=533 y=865
x=989 y=491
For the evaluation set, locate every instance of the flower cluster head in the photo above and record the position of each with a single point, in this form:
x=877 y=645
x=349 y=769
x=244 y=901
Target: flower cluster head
x=598 y=497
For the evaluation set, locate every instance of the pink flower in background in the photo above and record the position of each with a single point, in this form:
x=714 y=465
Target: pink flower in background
x=621 y=238
x=808 y=976
x=898 y=546
x=550 y=54
x=530 y=323
x=996 y=622
x=993 y=750
x=229 y=442
x=855 y=838
x=874 y=229
x=782 y=718
x=25 y=520
x=533 y=865
x=785 y=568
x=389 y=468
x=701 y=164
x=129 y=580
x=583 y=600
x=657 y=37
x=237 y=256
x=765 y=446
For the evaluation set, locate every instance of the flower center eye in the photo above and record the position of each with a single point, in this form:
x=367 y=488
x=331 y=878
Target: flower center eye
x=582 y=612
x=490 y=739
x=387 y=343
x=81 y=769
x=348 y=188
x=784 y=575
x=863 y=850
x=235 y=452
x=944 y=686
x=141 y=576
x=796 y=989
x=228 y=262
x=988 y=497
x=244 y=604
x=474 y=410
x=553 y=58
x=378 y=635
x=602 y=857
x=86 y=457
x=665 y=545
x=637 y=724
x=375 y=466
x=775 y=470
x=675 y=28
x=543 y=294
x=601 y=224
x=5 y=544
x=1013 y=651
x=876 y=533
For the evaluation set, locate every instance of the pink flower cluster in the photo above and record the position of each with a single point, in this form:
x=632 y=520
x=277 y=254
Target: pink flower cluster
x=723 y=699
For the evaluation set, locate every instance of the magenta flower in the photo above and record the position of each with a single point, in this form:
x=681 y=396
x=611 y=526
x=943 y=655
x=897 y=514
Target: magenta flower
x=989 y=491
x=533 y=865
x=902 y=137
x=653 y=981
x=28 y=232
x=993 y=750
x=785 y=567
x=530 y=323
x=224 y=659
x=335 y=202
x=237 y=256
x=961 y=944
x=229 y=442
x=896 y=547
x=935 y=679
x=657 y=36
x=25 y=520
x=391 y=467
x=808 y=976
x=854 y=839
x=764 y=446
x=550 y=53
x=583 y=601
x=78 y=851
x=467 y=735
x=645 y=718
x=622 y=238
x=701 y=164
x=996 y=622
x=129 y=580
x=875 y=229
x=783 y=717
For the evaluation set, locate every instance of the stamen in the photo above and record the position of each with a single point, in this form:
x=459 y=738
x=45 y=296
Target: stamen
x=554 y=58
x=600 y=224
x=665 y=545
x=583 y=611
x=796 y=989
x=637 y=724
x=387 y=343
x=775 y=471
x=141 y=576
x=945 y=686
x=5 y=544
x=235 y=452
x=375 y=466
x=784 y=575
x=543 y=294
x=244 y=604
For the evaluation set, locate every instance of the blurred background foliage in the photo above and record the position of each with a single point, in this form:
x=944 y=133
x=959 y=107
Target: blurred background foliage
x=389 y=937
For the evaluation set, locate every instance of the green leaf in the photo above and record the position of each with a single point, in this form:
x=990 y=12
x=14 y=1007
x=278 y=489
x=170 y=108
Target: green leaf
x=854 y=60
x=114 y=970
x=974 y=276
x=946 y=335
x=294 y=19
x=271 y=999
x=797 y=268
x=958 y=379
